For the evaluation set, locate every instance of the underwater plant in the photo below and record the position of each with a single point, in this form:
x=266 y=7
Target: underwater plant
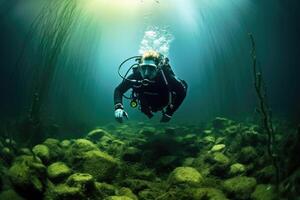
x=264 y=110
x=52 y=28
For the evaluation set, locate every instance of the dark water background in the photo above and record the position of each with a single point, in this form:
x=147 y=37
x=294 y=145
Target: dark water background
x=211 y=51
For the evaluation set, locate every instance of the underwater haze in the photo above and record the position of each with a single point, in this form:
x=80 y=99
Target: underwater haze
x=234 y=136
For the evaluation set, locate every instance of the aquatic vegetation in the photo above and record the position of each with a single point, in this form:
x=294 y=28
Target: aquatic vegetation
x=81 y=168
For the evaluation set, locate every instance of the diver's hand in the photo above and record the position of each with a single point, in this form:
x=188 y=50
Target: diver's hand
x=165 y=118
x=119 y=114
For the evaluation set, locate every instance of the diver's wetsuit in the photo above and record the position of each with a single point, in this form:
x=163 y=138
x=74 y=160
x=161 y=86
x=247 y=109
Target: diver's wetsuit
x=155 y=96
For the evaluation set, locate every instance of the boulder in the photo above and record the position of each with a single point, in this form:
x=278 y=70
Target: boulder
x=28 y=175
x=237 y=169
x=240 y=187
x=96 y=134
x=81 y=180
x=58 y=171
x=218 y=148
x=99 y=164
x=186 y=175
x=42 y=151
x=64 y=192
x=55 y=149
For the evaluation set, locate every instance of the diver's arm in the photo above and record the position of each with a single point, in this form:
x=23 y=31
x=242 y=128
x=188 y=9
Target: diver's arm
x=175 y=86
x=123 y=87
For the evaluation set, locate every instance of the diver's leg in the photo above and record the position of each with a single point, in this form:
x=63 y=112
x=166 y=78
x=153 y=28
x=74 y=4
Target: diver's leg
x=146 y=110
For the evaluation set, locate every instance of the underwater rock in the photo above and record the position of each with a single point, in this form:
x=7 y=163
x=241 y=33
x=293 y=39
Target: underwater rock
x=127 y=192
x=209 y=139
x=81 y=180
x=55 y=149
x=10 y=195
x=27 y=175
x=116 y=148
x=65 y=144
x=132 y=154
x=118 y=198
x=208 y=194
x=187 y=175
x=240 y=187
x=220 y=158
x=147 y=194
x=105 y=189
x=264 y=192
x=218 y=147
x=247 y=155
x=237 y=169
x=99 y=164
x=58 y=171
x=63 y=192
x=220 y=164
x=77 y=149
x=42 y=151
x=96 y=135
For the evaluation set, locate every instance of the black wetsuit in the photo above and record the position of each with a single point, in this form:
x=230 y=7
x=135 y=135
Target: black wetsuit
x=155 y=96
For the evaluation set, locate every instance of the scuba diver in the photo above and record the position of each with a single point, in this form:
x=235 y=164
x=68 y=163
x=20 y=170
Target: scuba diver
x=154 y=87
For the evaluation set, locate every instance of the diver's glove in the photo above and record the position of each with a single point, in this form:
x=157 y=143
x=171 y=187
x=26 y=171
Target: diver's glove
x=165 y=118
x=120 y=113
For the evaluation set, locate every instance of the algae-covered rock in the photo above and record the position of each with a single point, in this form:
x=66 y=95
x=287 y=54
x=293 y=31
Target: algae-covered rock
x=118 y=198
x=27 y=175
x=264 y=192
x=187 y=175
x=55 y=149
x=42 y=151
x=209 y=139
x=96 y=134
x=65 y=144
x=220 y=164
x=127 y=192
x=78 y=148
x=106 y=189
x=99 y=164
x=218 y=147
x=64 y=192
x=236 y=169
x=208 y=194
x=58 y=171
x=10 y=195
x=220 y=158
x=240 y=187
x=247 y=155
x=81 y=180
